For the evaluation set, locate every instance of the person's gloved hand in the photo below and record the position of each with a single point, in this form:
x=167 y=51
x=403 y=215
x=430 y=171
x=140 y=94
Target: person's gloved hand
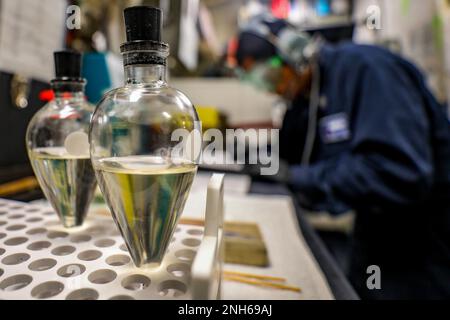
x=313 y=193
x=282 y=176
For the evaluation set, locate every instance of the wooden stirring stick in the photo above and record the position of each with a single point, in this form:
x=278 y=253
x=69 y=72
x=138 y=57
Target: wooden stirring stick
x=253 y=276
x=262 y=283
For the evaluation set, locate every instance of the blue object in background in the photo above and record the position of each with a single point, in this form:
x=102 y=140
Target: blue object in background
x=323 y=7
x=95 y=70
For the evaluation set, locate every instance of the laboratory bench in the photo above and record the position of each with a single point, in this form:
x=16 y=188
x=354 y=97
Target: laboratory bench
x=339 y=284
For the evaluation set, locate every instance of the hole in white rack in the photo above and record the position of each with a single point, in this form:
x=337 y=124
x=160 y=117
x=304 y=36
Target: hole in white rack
x=2 y=223
x=136 y=282
x=38 y=246
x=195 y=232
x=32 y=210
x=47 y=290
x=104 y=243
x=1 y=272
x=63 y=251
x=191 y=242
x=15 y=259
x=185 y=255
x=71 y=270
x=80 y=238
x=97 y=230
x=35 y=231
x=16 y=227
x=16 y=282
x=118 y=260
x=42 y=265
x=2 y=235
x=2 y=251
x=16 y=241
x=89 y=255
x=179 y=270
x=16 y=216
x=103 y=276
x=123 y=247
x=57 y=235
x=35 y=219
x=83 y=294
x=121 y=297
x=172 y=288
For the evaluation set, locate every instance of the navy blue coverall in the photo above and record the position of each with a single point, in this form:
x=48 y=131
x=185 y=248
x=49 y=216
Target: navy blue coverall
x=383 y=150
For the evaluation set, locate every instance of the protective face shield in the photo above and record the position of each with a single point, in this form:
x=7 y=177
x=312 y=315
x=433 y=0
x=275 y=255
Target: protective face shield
x=294 y=47
x=263 y=75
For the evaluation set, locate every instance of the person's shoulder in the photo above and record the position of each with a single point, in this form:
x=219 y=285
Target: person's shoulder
x=368 y=55
x=360 y=58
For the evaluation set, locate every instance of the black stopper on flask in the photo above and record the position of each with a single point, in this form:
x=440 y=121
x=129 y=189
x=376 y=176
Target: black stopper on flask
x=143 y=23
x=67 y=64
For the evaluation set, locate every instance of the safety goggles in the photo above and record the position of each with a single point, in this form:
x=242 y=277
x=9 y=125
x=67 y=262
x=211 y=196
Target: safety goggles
x=263 y=75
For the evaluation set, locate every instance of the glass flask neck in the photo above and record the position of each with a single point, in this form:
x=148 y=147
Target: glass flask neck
x=145 y=62
x=68 y=89
x=150 y=74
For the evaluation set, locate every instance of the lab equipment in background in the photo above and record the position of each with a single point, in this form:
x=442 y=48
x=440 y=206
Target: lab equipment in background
x=58 y=146
x=14 y=121
x=189 y=38
x=29 y=33
x=243 y=105
x=144 y=180
x=103 y=72
x=210 y=117
x=95 y=71
x=301 y=13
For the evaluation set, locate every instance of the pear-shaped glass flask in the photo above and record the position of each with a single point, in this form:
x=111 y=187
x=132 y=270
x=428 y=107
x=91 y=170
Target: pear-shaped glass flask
x=135 y=137
x=58 y=144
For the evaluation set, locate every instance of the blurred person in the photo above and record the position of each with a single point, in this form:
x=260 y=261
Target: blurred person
x=363 y=133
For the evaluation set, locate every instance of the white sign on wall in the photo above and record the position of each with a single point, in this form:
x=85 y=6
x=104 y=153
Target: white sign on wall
x=30 y=31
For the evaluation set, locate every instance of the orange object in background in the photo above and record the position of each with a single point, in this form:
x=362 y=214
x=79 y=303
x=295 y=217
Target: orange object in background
x=18 y=186
x=46 y=95
x=49 y=95
x=281 y=8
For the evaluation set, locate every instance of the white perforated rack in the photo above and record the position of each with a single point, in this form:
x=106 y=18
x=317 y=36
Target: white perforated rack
x=39 y=259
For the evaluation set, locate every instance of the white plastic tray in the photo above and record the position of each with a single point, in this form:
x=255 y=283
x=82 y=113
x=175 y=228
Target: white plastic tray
x=39 y=259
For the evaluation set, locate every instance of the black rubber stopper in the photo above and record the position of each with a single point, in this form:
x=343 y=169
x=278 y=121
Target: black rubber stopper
x=143 y=23
x=68 y=64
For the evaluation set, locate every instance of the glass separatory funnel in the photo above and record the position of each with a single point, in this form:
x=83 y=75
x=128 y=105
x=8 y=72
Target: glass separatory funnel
x=145 y=139
x=58 y=143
